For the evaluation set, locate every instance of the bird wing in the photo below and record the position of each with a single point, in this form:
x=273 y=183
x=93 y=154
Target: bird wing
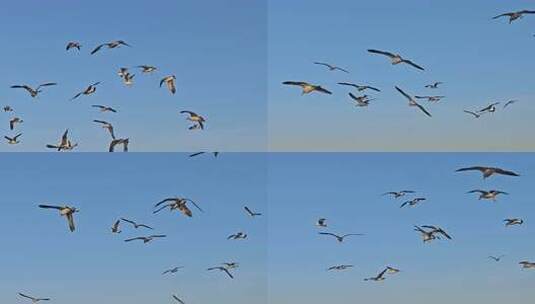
x=413 y=64
x=373 y=88
x=405 y=203
x=97 y=49
x=502 y=15
x=477 y=191
x=320 y=89
x=382 y=53
x=296 y=83
x=143 y=225
x=50 y=207
x=328 y=233
x=70 y=219
x=26 y=296
x=179 y=300
x=324 y=64
x=505 y=172
x=164 y=201
x=46 y=85
x=404 y=94
x=76 y=96
x=341 y=69
x=128 y=221
x=478 y=168
x=133 y=239
x=473 y=113
x=189 y=112
x=348 y=84
x=227 y=272
x=248 y=210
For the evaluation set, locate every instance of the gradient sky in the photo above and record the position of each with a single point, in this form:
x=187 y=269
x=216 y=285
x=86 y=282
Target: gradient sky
x=479 y=60
x=216 y=49
x=41 y=257
x=346 y=189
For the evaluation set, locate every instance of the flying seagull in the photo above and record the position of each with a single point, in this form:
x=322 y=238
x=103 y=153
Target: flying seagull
x=172 y=270
x=169 y=82
x=176 y=203
x=527 y=265
x=66 y=211
x=496 y=259
x=237 y=236
x=413 y=103
x=488 y=171
x=513 y=221
x=92 y=88
x=128 y=79
x=322 y=223
x=200 y=153
x=36 y=91
x=491 y=194
x=339 y=267
x=307 y=87
x=14 y=121
x=105 y=108
x=106 y=125
x=430 y=98
x=119 y=141
x=396 y=58
x=361 y=101
x=514 y=15
x=115 y=227
x=8 y=109
x=65 y=144
x=397 y=194
x=331 y=67
x=359 y=87
x=431 y=233
x=13 y=140
x=136 y=225
x=110 y=45
x=147 y=68
x=223 y=269
x=250 y=212
x=489 y=109
x=413 y=202
x=34 y=300
x=146 y=239
x=198 y=120
x=433 y=85
x=341 y=238
x=73 y=45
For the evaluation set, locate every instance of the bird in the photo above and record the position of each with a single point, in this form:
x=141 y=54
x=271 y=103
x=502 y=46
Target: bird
x=395 y=58
x=14 y=121
x=104 y=108
x=488 y=171
x=322 y=223
x=178 y=299
x=527 y=265
x=237 y=236
x=176 y=203
x=397 y=194
x=136 y=225
x=431 y=233
x=198 y=120
x=92 y=88
x=33 y=299
x=8 y=109
x=147 y=68
x=223 y=269
x=250 y=212
x=413 y=103
x=110 y=45
x=13 y=140
x=379 y=277
x=489 y=109
x=115 y=227
x=169 y=82
x=36 y=91
x=513 y=221
x=433 y=85
x=510 y=102
x=490 y=194
x=66 y=211
x=496 y=259
x=172 y=270
x=339 y=267
x=73 y=45
x=359 y=87
x=65 y=144
x=146 y=239
x=200 y=153
x=128 y=79
x=106 y=125
x=413 y=202
x=307 y=87
x=339 y=238
x=514 y=15
x=430 y=98
x=361 y=101
x=476 y=115
x=331 y=67
x=119 y=141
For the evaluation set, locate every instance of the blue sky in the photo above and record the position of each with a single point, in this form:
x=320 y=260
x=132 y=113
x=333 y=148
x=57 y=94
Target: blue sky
x=479 y=60
x=41 y=257
x=216 y=49
x=346 y=189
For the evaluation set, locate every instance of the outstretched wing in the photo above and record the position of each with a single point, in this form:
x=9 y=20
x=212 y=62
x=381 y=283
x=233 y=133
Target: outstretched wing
x=381 y=53
x=97 y=49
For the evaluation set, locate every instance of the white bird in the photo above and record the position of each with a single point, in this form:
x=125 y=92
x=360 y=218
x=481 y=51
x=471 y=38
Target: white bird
x=396 y=58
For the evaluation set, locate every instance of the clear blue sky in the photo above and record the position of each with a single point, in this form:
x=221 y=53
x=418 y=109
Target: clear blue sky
x=41 y=257
x=216 y=49
x=479 y=60
x=346 y=189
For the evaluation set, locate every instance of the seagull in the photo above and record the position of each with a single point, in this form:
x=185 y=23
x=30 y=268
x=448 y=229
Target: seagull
x=476 y=115
x=237 y=236
x=361 y=101
x=104 y=108
x=307 y=87
x=331 y=67
x=36 y=91
x=412 y=102
x=339 y=238
x=430 y=98
x=8 y=109
x=136 y=225
x=488 y=171
x=34 y=300
x=172 y=270
x=396 y=58
x=397 y=194
x=115 y=227
x=128 y=79
x=147 y=68
x=510 y=102
x=322 y=223
x=119 y=141
x=66 y=211
x=359 y=87
x=14 y=121
x=430 y=235
x=106 y=125
x=146 y=239
x=496 y=259
x=200 y=153
x=433 y=85
x=122 y=72
x=110 y=45
x=220 y=268
x=250 y=212
x=73 y=45
x=339 y=267
x=13 y=140
x=379 y=277
x=88 y=91
x=413 y=202
x=514 y=15
x=491 y=194
x=169 y=82
x=489 y=109
x=197 y=119
x=178 y=299
x=513 y=221
x=176 y=203
x=65 y=143
x=527 y=265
